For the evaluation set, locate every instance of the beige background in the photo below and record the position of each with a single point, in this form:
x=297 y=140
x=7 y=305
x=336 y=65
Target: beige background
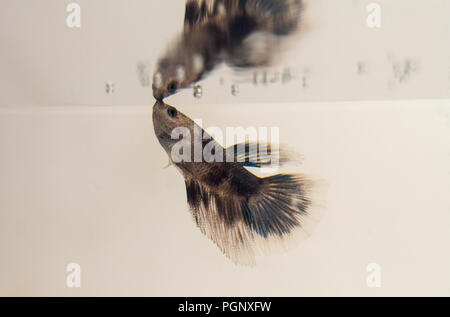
x=82 y=178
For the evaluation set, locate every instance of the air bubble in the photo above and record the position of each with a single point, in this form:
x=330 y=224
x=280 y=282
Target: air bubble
x=109 y=87
x=259 y=78
x=198 y=91
x=361 y=68
x=286 y=76
x=273 y=78
x=234 y=90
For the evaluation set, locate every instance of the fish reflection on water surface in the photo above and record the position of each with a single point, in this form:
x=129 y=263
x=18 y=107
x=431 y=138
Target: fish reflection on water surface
x=240 y=33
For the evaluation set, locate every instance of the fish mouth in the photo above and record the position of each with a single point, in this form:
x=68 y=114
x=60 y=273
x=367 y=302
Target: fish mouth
x=159 y=118
x=159 y=104
x=158 y=96
x=159 y=93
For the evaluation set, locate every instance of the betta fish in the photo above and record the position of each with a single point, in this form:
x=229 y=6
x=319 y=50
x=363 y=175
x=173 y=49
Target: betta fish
x=240 y=33
x=243 y=214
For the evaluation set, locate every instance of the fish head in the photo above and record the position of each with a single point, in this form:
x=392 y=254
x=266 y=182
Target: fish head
x=171 y=125
x=168 y=79
x=180 y=67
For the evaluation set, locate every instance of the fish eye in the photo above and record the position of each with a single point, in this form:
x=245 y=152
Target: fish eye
x=172 y=86
x=172 y=112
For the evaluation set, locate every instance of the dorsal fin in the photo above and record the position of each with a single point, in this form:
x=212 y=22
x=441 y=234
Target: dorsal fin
x=258 y=154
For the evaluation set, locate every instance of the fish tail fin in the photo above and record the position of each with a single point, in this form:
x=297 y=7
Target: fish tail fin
x=280 y=207
x=273 y=219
